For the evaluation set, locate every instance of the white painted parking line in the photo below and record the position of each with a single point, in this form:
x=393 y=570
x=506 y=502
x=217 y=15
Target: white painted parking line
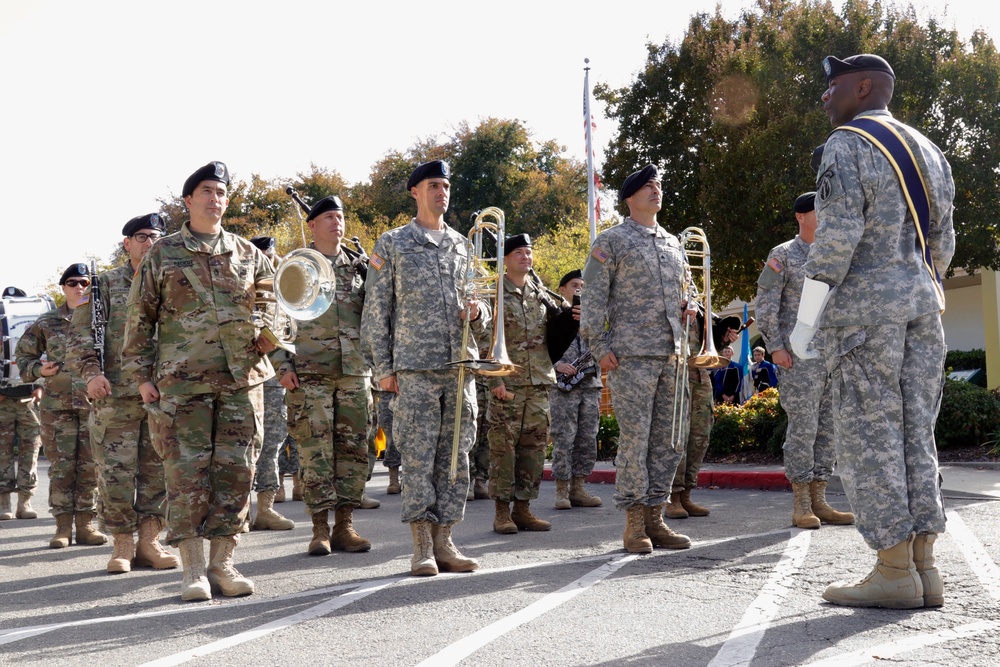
x=898 y=647
x=741 y=646
x=975 y=553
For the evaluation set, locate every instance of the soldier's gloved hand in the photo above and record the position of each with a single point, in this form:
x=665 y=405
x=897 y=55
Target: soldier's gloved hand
x=800 y=339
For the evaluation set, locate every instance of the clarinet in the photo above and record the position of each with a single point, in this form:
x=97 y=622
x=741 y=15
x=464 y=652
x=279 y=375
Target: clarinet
x=584 y=365
x=98 y=316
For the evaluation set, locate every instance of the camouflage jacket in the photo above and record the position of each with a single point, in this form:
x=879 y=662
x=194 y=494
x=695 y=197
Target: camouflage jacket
x=866 y=242
x=524 y=318
x=52 y=335
x=779 y=290
x=331 y=344
x=199 y=301
x=412 y=304
x=114 y=286
x=634 y=287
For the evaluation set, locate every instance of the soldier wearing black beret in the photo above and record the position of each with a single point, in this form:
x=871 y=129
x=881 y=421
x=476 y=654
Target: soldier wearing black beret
x=425 y=170
x=78 y=270
x=150 y=224
x=213 y=171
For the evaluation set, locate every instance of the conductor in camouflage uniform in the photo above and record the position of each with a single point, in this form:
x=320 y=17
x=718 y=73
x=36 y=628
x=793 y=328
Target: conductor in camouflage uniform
x=328 y=383
x=632 y=310
x=412 y=330
x=63 y=411
x=871 y=282
x=132 y=490
x=809 y=440
x=192 y=348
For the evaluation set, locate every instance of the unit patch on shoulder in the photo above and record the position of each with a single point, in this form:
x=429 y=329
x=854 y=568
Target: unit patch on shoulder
x=824 y=186
x=599 y=255
x=376 y=262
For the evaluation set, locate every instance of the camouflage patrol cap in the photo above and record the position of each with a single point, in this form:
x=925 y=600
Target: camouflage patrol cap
x=864 y=62
x=213 y=171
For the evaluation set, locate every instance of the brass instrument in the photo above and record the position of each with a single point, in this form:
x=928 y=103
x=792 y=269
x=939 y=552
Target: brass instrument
x=304 y=284
x=477 y=279
x=695 y=247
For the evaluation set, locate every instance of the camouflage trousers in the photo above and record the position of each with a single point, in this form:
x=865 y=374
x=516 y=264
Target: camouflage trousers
x=131 y=479
x=700 y=419
x=479 y=455
x=331 y=421
x=392 y=458
x=275 y=431
x=72 y=467
x=20 y=439
x=518 y=436
x=809 y=450
x=642 y=390
x=423 y=428
x=208 y=443
x=288 y=457
x=886 y=383
x=575 y=417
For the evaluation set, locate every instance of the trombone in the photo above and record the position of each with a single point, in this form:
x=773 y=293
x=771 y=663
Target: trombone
x=477 y=279
x=697 y=257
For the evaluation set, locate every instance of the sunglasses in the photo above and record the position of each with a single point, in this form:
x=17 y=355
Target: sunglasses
x=77 y=282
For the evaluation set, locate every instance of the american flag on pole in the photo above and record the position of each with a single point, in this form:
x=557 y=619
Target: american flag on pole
x=593 y=180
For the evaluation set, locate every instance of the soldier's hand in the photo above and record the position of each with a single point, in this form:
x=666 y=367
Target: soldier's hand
x=730 y=336
x=472 y=308
x=98 y=387
x=609 y=362
x=389 y=384
x=263 y=345
x=50 y=368
x=36 y=395
x=149 y=392
x=576 y=313
x=290 y=381
x=500 y=392
x=782 y=358
x=566 y=369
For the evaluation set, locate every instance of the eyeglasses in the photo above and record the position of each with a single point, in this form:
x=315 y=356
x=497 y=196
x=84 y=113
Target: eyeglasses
x=142 y=237
x=77 y=282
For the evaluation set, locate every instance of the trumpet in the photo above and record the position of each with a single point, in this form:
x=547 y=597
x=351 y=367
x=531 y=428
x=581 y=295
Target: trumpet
x=694 y=245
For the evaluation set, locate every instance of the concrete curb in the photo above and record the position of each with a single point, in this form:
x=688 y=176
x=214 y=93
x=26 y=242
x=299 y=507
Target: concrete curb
x=760 y=480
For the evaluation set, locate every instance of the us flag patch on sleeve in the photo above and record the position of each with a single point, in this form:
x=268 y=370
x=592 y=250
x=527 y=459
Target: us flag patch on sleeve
x=376 y=261
x=776 y=265
x=85 y=299
x=599 y=255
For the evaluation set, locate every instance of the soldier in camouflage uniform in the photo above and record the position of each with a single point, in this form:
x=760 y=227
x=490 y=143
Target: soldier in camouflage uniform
x=412 y=329
x=328 y=382
x=479 y=455
x=575 y=408
x=265 y=479
x=805 y=396
x=634 y=279
x=518 y=412
x=200 y=364
x=872 y=279
x=132 y=490
x=20 y=440
x=63 y=411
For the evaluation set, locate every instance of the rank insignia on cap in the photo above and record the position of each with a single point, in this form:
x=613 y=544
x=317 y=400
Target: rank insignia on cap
x=826 y=66
x=775 y=265
x=376 y=261
x=220 y=170
x=599 y=255
x=154 y=220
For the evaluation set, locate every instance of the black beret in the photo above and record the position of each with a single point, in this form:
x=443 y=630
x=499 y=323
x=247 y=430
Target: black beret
x=805 y=202
x=575 y=273
x=638 y=179
x=139 y=223
x=331 y=203
x=213 y=171
x=78 y=270
x=730 y=322
x=14 y=291
x=425 y=170
x=264 y=243
x=865 y=62
x=514 y=242
x=817 y=158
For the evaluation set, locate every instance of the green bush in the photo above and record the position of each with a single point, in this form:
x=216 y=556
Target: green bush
x=969 y=415
x=967 y=360
x=758 y=424
x=607 y=438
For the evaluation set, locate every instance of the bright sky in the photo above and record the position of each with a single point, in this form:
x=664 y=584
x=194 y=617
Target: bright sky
x=109 y=105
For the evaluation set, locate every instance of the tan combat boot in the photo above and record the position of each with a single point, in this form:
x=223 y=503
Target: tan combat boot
x=446 y=554
x=121 y=558
x=635 y=538
x=502 y=522
x=802 y=514
x=343 y=537
x=320 y=544
x=5 y=513
x=580 y=497
x=24 y=510
x=279 y=493
x=562 y=494
x=693 y=509
x=823 y=511
x=148 y=550
x=222 y=574
x=64 y=531
x=423 y=563
x=86 y=533
x=658 y=532
x=296 y=487
x=893 y=583
x=369 y=503
x=930 y=576
x=482 y=489
x=525 y=520
x=195 y=585
x=394 y=486
x=675 y=510
x=267 y=518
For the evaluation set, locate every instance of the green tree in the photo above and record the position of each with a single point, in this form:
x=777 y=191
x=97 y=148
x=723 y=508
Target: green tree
x=732 y=114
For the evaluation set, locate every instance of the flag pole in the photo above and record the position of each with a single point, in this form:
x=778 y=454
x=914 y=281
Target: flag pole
x=588 y=125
